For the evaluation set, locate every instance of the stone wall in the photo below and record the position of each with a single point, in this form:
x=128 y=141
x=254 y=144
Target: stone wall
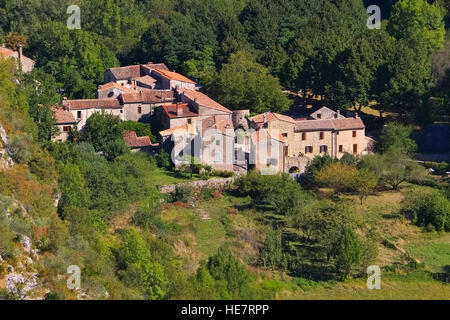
x=218 y=183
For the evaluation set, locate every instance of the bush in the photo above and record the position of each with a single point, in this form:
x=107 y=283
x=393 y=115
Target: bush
x=182 y=193
x=429 y=210
x=20 y=147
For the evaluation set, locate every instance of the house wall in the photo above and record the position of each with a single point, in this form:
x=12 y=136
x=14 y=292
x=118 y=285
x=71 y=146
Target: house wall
x=346 y=139
x=259 y=162
x=62 y=136
x=130 y=111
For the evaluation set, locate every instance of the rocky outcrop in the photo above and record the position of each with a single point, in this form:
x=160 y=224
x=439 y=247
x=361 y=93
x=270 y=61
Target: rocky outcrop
x=5 y=158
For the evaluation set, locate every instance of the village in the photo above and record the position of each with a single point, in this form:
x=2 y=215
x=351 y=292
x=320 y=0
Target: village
x=195 y=125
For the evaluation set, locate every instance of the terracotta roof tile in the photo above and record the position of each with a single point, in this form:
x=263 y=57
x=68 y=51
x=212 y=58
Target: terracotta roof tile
x=271 y=116
x=148 y=96
x=63 y=116
x=348 y=123
x=173 y=76
x=224 y=126
x=203 y=100
x=92 y=103
x=110 y=85
x=133 y=141
x=180 y=129
x=171 y=111
x=264 y=134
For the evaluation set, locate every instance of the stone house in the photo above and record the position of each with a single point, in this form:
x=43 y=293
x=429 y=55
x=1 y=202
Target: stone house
x=83 y=109
x=64 y=120
x=305 y=138
x=139 y=106
x=24 y=63
x=139 y=143
x=192 y=106
x=129 y=75
x=267 y=151
x=172 y=80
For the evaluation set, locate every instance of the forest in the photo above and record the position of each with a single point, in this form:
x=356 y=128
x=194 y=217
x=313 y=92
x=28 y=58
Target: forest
x=264 y=237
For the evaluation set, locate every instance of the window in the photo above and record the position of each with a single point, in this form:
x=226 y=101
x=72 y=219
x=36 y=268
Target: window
x=189 y=121
x=355 y=149
x=217 y=142
x=284 y=134
x=354 y=134
x=323 y=149
x=286 y=151
x=341 y=148
x=322 y=135
x=79 y=114
x=308 y=149
x=319 y=116
x=121 y=110
x=303 y=136
x=265 y=125
x=139 y=110
x=66 y=128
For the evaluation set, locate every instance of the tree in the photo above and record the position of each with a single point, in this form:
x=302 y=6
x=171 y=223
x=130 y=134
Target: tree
x=136 y=267
x=242 y=83
x=271 y=254
x=73 y=187
x=106 y=135
x=223 y=266
x=419 y=23
x=348 y=252
x=338 y=176
x=396 y=137
x=430 y=210
x=364 y=183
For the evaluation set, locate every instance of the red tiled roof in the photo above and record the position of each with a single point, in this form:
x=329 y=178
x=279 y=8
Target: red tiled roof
x=133 y=141
x=330 y=124
x=184 y=128
x=92 y=103
x=63 y=116
x=148 y=80
x=110 y=85
x=347 y=123
x=149 y=96
x=203 y=100
x=224 y=126
x=171 y=110
x=6 y=52
x=151 y=66
x=127 y=72
x=173 y=76
x=264 y=134
x=271 y=116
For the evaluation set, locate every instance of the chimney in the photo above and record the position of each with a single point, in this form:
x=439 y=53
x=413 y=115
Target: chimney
x=337 y=114
x=265 y=118
x=180 y=110
x=356 y=115
x=20 y=57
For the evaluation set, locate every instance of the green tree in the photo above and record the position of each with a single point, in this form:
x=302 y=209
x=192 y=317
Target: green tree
x=136 y=267
x=348 y=252
x=104 y=132
x=396 y=137
x=430 y=210
x=364 y=183
x=73 y=187
x=242 y=83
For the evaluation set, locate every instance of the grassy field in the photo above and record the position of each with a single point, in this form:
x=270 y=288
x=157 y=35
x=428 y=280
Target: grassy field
x=205 y=225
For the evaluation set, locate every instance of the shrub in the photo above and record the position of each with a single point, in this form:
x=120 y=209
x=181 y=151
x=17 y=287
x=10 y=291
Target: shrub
x=182 y=193
x=429 y=210
x=20 y=147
